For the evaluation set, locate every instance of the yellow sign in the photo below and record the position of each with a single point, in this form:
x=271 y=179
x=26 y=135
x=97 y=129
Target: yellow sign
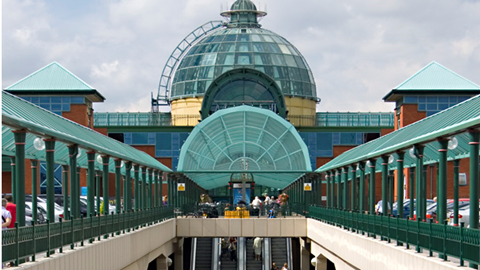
x=181 y=187
x=307 y=186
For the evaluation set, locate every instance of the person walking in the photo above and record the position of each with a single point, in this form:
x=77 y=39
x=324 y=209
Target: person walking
x=256 y=203
x=12 y=208
x=257 y=247
x=285 y=266
x=232 y=248
x=274 y=267
x=6 y=215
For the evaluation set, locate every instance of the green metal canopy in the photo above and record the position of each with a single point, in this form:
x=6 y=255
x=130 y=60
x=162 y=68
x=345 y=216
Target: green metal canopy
x=453 y=121
x=244 y=139
x=20 y=114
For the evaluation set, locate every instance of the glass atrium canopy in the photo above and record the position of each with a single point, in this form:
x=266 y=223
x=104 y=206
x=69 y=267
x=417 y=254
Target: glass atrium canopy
x=243 y=44
x=244 y=139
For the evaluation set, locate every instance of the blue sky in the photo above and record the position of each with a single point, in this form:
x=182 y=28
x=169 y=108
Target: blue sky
x=357 y=50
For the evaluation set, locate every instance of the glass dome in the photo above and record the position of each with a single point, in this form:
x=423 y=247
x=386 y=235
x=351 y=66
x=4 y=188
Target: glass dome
x=232 y=48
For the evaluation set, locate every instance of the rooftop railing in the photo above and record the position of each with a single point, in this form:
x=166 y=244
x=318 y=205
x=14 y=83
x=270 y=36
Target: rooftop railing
x=321 y=119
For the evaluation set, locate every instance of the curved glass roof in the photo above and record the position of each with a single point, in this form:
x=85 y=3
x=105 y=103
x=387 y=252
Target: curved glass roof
x=244 y=139
x=232 y=48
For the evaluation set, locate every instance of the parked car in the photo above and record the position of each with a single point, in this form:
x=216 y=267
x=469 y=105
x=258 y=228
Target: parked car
x=406 y=207
x=463 y=216
x=58 y=210
x=59 y=200
x=28 y=213
x=432 y=210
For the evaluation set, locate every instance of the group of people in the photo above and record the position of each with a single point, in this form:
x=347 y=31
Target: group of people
x=9 y=213
x=269 y=202
x=275 y=267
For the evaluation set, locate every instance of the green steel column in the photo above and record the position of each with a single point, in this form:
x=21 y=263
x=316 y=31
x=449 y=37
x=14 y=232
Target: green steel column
x=66 y=207
x=143 y=191
x=456 y=170
x=474 y=147
x=332 y=188
x=424 y=193
x=20 y=136
x=169 y=189
x=353 y=203
x=74 y=192
x=400 y=183
x=371 y=185
x=339 y=189
x=327 y=179
x=345 y=189
x=442 y=182
x=106 y=194
x=412 y=191
x=155 y=188
x=318 y=178
x=419 y=182
x=137 y=186
x=361 y=192
x=13 y=179
x=150 y=183
x=161 y=188
x=384 y=185
x=98 y=187
x=34 y=188
x=128 y=186
x=90 y=183
x=50 y=174
x=391 y=190
x=118 y=185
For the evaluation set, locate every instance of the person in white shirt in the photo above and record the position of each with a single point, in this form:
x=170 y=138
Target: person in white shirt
x=256 y=203
x=6 y=216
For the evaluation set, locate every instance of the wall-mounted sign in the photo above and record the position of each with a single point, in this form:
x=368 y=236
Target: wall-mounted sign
x=307 y=186
x=181 y=187
x=239 y=185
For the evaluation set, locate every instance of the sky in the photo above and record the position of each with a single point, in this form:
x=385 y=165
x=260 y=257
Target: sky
x=358 y=50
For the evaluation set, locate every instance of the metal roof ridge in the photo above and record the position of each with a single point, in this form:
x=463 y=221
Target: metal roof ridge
x=414 y=75
x=46 y=67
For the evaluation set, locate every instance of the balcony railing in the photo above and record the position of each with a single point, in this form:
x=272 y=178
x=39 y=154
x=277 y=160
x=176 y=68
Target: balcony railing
x=445 y=240
x=321 y=119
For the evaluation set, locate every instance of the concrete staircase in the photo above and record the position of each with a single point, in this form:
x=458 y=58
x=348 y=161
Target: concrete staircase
x=279 y=251
x=251 y=263
x=204 y=254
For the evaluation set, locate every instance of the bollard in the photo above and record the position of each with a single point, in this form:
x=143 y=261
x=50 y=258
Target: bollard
x=61 y=235
x=34 y=244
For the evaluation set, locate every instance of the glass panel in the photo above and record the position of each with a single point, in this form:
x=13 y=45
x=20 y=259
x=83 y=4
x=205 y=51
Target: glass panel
x=421 y=107
x=284 y=49
x=256 y=38
x=201 y=87
x=267 y=38
x=300 y=62
x=243 y=38
x=163 y=141
x=443 y=99
x=258 y=47
x=65 y=99
x=230 y=38
x=44 y=99
x=243 y=59
x=290 y=61
x=56 y=107
x=190 y=88
x=209 y=59
x=36 y=99
x=274 y=48
x=432 y=99
x=227 y=47
x=431 y=107
x=66 y=107
x=77 y=100
x=243 y=47
x=410 y=99
x=56 y=99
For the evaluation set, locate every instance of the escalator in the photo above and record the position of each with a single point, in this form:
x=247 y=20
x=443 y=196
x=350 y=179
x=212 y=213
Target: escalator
x=203 y=248
x=279 y=251
x=252 y=264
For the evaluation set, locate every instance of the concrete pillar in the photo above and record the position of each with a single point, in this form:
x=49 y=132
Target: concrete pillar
x=178 y=258
x=321 y=263
x=162 y=263
x=305 y=259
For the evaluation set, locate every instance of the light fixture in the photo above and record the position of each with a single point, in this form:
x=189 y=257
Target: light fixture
x=452 y=143
x=79 y=153
x=169 y=261
x=411 y=152
x=391 y=159
x=368 y=163
x=313 y=262
x=39 y=144
x=99 y=159
x=122 y=164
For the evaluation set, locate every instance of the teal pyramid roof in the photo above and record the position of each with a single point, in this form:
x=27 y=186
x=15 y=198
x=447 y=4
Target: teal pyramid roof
x=51 y=77
x=54 y=78
x=434 y=78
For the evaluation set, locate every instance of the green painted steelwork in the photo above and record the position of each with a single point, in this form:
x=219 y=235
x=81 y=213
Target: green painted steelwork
x=442 y=183
x=244 y=139
x=74 y=184
x=361 y=196
x=474 y=181
x=50 y=157
x=118 y=186
x=452 y=121
x=231 y=90
x=19 y=114
x=34 y=188
x=21 y=243
x=65 y=192
x=90 y=183
x=371 y=187
x=442 y=239
x=20 y=175
x=400 y=183
x=384 y=185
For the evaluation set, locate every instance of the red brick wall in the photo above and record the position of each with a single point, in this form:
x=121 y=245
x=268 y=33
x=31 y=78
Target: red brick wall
x=77 y=113
x=103 y=131
x=410 y=114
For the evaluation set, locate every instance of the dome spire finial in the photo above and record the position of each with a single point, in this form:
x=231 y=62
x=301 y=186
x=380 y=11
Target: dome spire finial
x=243 y=13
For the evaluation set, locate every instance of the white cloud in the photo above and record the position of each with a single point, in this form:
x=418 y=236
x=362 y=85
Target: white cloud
x=358 y=51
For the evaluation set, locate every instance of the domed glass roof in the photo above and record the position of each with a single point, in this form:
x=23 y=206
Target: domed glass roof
x=254 y=48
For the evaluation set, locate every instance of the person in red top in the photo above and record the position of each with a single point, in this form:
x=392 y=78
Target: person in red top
x=12 y=208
